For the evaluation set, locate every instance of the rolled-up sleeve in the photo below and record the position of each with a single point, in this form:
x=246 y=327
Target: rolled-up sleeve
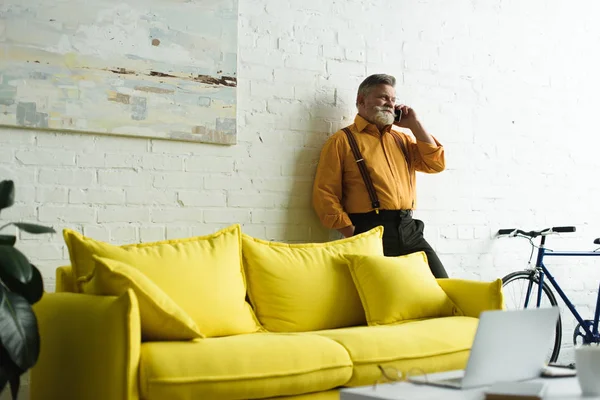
x=327 y=187
x=428 y=158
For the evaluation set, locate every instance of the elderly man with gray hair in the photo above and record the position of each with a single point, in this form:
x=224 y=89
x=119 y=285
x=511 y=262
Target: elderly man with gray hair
x=366 y=172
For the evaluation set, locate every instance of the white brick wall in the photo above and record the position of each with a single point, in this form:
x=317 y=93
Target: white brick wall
x=509 y=87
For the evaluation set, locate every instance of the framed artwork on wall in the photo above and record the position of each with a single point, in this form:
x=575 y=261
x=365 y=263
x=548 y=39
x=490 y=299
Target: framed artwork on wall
x=150 y=68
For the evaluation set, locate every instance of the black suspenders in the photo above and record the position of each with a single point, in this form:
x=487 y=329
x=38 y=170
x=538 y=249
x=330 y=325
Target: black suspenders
x=363 y=167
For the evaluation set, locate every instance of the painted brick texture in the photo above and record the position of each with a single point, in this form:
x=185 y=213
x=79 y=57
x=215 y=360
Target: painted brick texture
x=509 y=87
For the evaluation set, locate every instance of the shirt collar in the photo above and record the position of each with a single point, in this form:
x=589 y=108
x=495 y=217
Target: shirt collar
x=362 y=125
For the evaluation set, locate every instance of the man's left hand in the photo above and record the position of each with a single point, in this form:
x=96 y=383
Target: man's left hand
x=409 y=117
x=409 y=120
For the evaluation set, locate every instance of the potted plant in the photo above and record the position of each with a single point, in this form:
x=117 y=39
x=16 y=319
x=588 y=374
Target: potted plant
x=21 y=285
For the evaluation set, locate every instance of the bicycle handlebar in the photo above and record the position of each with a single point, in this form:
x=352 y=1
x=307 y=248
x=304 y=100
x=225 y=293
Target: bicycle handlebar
x=533 y=234
x=563 y=229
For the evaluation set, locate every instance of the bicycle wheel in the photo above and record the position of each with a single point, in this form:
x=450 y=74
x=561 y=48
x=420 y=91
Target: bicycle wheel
x=514 y=288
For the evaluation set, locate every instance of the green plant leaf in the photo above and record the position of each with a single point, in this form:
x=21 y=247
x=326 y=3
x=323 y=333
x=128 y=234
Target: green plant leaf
x=31 y=291
x=7 y=194
x=4 y=372
x=9 y=371
x=34 y=228
x=8 y=240
x=15 y=382
x=14 y=263
x=18 y=329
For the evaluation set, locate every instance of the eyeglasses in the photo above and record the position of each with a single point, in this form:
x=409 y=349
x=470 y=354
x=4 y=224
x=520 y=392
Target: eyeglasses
x=393 y=375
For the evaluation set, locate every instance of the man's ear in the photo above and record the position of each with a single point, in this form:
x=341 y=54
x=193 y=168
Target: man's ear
x=360 y=100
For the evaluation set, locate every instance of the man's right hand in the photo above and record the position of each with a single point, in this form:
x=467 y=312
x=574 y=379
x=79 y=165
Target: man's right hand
x=347 y=231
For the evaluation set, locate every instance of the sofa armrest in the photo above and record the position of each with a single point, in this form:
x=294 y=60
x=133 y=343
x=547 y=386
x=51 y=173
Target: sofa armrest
x=473 y=297
x=65 y=280
x=90 y=347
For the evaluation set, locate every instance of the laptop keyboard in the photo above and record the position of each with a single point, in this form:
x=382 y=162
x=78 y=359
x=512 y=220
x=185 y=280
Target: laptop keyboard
x=453 y=381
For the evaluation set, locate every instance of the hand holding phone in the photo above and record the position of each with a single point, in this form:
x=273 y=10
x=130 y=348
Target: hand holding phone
x=405 y=117
x=398 y=115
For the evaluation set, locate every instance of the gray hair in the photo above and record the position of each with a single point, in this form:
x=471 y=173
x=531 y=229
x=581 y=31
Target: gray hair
x=377 y=79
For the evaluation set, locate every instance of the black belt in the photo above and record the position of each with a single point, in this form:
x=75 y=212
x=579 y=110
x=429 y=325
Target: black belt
x=383 y=215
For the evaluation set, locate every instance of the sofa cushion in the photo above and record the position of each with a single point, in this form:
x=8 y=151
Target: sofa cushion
x=432 y=345
x=161 y=318
x=394 y=289
x=203 y=275
x=242 y=367
x=333 y=394
x=306 y=287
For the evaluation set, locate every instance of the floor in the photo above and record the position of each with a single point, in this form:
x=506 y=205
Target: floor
x=23 y=390
x=23 y=393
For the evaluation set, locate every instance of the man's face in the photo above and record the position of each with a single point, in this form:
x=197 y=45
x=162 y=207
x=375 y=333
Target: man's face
x=377 y=106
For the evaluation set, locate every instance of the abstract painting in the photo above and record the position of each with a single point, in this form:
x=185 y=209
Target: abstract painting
x=151 y=68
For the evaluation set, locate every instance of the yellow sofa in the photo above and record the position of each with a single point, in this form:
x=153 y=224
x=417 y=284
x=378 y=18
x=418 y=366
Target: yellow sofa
x=93 y=346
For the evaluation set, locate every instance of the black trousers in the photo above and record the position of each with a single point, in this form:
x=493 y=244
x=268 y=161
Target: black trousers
x=401 y=235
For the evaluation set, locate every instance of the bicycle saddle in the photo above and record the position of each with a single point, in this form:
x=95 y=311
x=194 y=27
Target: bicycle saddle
x=597 y=241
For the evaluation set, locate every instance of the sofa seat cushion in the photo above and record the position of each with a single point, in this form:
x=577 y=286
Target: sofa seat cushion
x=431 y=345
x=247 y=366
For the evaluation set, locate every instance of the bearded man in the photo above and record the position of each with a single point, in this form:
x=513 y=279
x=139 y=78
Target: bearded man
x=366 y=172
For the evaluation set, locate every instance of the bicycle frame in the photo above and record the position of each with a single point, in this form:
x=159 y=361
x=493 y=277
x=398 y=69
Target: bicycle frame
x=543 y=271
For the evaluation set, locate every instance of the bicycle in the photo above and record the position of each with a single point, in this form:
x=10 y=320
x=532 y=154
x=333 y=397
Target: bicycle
x=586 y=331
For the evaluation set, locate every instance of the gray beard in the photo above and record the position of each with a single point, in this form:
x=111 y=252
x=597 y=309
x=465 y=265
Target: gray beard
x=383 y=118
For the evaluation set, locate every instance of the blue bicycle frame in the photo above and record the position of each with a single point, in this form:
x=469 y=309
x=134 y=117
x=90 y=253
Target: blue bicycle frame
x=591 y=336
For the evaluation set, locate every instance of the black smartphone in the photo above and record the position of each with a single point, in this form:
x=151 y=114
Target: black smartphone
x=398 y=115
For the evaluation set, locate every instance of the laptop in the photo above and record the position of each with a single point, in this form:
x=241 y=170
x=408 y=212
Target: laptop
x=508 y=346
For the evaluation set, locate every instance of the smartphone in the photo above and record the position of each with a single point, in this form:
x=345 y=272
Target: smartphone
x=398 y=115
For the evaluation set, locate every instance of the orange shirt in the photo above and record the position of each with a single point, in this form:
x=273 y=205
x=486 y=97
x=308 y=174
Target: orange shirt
x=339 y=189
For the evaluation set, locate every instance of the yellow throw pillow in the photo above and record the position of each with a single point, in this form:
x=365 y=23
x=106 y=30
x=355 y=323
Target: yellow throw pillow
x=203 y=275
x=160 y=317
x=394 y=289
x=306 y=287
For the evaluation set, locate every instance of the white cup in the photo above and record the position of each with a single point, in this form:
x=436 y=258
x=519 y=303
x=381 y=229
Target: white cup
x=587 y=363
